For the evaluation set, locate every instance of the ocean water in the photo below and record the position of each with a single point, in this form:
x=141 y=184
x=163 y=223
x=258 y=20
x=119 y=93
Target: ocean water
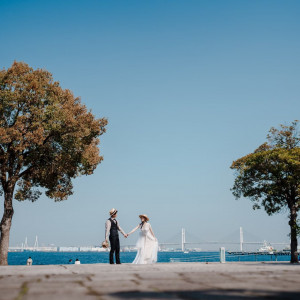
x=58 y=258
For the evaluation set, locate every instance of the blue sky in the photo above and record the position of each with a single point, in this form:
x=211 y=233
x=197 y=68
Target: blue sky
x=187 y=87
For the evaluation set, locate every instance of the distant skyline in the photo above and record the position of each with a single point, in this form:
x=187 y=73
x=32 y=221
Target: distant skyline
x=187 y=87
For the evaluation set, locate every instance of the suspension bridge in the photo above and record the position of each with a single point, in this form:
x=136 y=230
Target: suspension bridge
x=180 y=244
x=241 y=244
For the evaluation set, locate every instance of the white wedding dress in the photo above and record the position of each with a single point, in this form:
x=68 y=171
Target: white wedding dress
x=147 y=245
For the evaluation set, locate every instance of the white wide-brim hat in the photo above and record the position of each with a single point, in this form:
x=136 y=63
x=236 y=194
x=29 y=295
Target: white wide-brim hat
x=113 y=211
x=145 y=216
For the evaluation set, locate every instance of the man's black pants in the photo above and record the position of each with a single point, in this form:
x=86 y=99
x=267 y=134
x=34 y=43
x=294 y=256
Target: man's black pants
x=114 y=248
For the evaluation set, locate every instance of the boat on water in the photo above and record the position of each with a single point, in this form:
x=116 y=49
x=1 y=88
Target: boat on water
x=266 y=248
x=287 y=248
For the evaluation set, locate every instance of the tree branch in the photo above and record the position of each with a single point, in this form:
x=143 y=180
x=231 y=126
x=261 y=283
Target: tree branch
x=25 y=171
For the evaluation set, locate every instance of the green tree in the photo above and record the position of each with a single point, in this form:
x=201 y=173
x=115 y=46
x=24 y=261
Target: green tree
x=270 y=177
x=47 y=137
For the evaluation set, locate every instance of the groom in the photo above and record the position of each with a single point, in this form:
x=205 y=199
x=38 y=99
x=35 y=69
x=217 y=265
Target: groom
x=111 y=230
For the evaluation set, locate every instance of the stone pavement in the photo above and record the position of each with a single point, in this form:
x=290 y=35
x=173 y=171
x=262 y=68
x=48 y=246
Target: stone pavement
x=243 y=280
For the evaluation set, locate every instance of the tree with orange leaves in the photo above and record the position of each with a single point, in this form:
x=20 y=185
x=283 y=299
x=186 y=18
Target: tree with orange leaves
x=47 y=137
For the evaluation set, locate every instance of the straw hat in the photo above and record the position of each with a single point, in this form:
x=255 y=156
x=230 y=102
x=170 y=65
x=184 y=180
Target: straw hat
x=145 y=216
x=113 y=211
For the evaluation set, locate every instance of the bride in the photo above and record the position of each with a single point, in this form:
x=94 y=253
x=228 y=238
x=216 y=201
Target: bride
x=147 y=243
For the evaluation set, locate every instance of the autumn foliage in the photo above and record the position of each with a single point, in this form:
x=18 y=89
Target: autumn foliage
x=47 y=138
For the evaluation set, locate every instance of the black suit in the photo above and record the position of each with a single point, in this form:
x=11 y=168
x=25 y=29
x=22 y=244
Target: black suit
x=114 y=242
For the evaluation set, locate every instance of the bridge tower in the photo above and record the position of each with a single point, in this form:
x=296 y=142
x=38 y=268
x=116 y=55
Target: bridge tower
x=183 y=239
x=241 y=239
x=36 y=243
x=26 y=243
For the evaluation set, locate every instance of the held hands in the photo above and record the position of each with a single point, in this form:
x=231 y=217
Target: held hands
x=126 y=235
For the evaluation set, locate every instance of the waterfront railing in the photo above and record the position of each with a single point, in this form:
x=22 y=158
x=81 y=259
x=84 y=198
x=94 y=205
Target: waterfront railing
x=224 y=256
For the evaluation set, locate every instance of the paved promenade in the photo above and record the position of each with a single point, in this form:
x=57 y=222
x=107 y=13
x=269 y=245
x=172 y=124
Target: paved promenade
x=160 y=281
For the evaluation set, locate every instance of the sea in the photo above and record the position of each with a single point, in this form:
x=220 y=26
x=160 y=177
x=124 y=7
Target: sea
x=61 y=258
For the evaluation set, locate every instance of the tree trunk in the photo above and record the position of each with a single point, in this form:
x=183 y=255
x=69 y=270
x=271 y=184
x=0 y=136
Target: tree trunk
x=294 y=242
x=5 y=227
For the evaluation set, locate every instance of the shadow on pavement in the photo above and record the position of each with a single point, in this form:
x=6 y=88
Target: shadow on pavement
x=234 y=294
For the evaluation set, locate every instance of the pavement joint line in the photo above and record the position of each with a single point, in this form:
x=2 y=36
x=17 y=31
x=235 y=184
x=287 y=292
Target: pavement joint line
x=138 y=276
x=23 y=291
x=183 y=276
x=90 y=290
x=231 y=276
x=89 y=277
x=66 y=268
x=136 y=281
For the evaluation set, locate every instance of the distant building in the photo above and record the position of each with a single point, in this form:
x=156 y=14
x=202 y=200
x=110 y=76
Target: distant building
x=68 y=249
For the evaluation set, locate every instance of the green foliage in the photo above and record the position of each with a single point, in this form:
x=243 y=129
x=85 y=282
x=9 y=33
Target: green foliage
x=270 y=176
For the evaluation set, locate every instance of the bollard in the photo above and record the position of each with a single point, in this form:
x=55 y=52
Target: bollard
x=222 y=255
